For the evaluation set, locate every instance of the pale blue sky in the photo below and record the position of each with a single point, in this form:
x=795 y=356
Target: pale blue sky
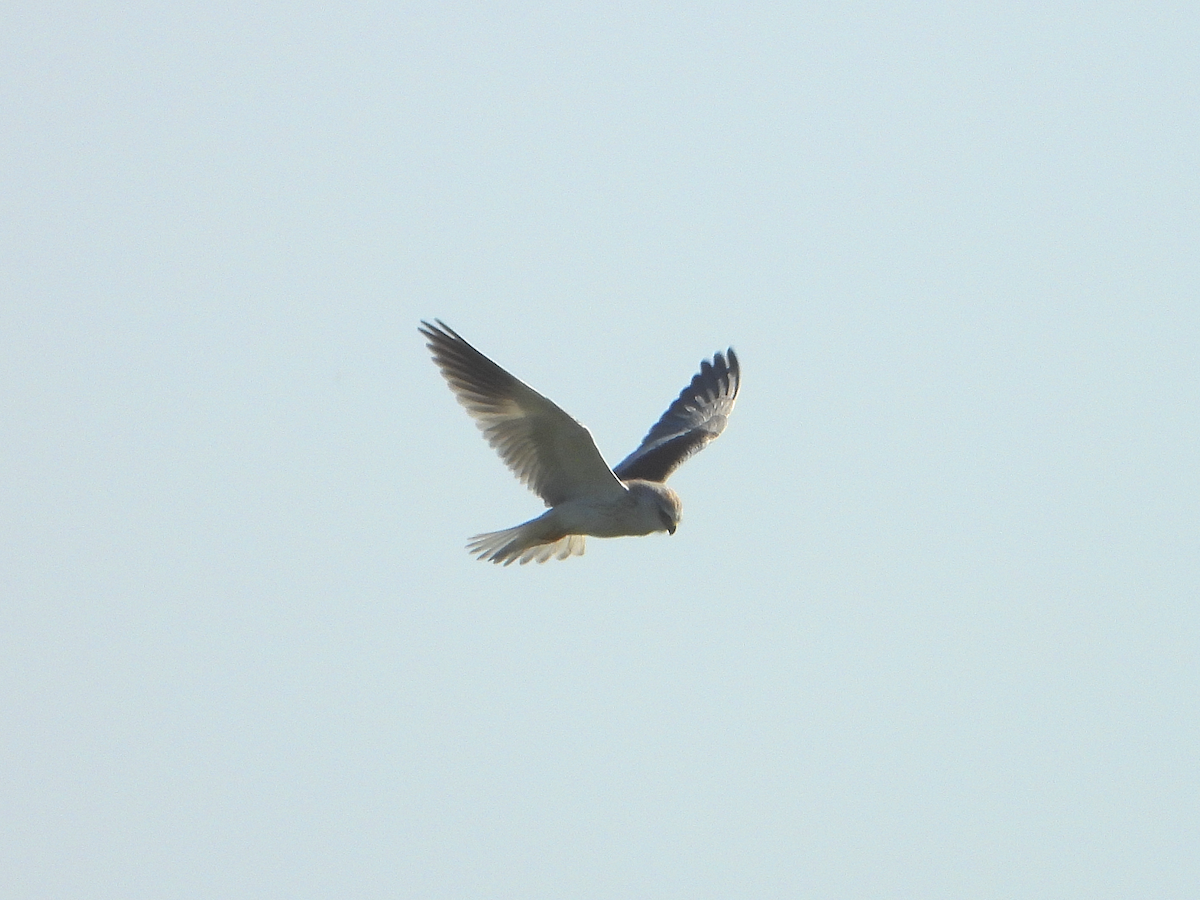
x=929 y=627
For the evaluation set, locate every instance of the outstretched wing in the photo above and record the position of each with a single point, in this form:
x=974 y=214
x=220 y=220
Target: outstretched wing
x=547 y=450
x=696 y=417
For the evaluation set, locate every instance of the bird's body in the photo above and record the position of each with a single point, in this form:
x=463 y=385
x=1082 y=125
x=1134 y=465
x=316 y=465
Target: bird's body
x=641 y=508
x=556 y=456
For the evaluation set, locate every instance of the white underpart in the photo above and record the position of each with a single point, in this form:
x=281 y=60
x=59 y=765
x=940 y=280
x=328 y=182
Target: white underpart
x=559 y=532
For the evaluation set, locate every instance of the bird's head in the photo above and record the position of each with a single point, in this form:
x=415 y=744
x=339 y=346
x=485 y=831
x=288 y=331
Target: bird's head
x=667 y=506
x=660 y=508
x=670 y=510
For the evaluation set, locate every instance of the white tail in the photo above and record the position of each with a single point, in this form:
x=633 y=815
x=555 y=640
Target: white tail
x=533 y=540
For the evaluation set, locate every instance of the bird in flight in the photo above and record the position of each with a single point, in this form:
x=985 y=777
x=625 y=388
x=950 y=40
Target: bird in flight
x=557 y=459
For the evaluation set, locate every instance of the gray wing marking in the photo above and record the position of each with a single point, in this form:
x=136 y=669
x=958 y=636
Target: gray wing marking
x=546 y=449
x=697 y=416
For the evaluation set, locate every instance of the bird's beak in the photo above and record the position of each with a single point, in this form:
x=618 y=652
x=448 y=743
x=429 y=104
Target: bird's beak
x=671 y=530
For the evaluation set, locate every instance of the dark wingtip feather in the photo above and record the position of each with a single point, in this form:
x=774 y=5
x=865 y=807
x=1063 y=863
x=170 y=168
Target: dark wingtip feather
x=439 y=331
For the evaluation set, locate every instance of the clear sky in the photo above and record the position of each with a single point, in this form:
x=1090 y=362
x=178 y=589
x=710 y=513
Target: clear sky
x=929 y=627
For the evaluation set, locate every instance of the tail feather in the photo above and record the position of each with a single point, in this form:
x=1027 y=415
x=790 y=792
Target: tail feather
x=527 y=542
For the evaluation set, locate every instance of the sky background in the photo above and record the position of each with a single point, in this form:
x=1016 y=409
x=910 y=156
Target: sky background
x=929 y=627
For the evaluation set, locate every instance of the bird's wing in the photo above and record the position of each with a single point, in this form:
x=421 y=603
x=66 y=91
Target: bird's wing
x=696 y=417
x=547 y=450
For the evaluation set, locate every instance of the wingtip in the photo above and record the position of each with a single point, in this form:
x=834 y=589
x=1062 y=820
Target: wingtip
x=438 y=327
x=734 y=367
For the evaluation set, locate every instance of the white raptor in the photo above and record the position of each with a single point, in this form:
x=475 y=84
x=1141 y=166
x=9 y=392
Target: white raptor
x=555 y=456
